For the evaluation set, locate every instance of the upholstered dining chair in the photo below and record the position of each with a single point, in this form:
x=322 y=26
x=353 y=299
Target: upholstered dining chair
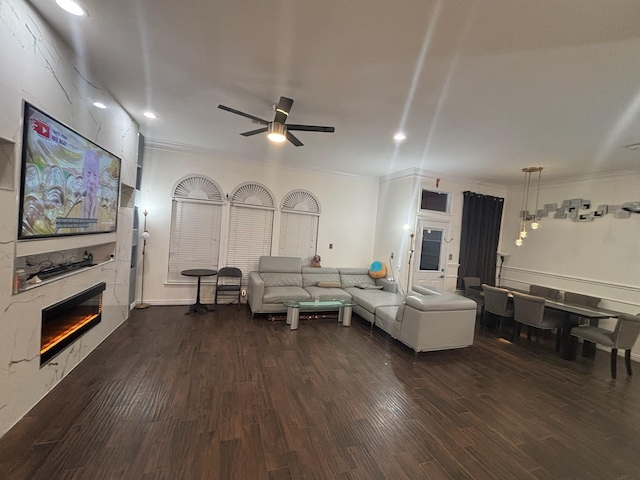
x=529 y=310
x=496 y=301
x=474 y=295
x=581 y=299
x=229 y=284
x=588 y=348
x=546 y=292
x=623 y=336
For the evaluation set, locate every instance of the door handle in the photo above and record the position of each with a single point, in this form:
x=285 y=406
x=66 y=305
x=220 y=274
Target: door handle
x=441 y=276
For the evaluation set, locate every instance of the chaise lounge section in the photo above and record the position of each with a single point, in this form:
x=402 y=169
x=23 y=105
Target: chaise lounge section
x=430 y=320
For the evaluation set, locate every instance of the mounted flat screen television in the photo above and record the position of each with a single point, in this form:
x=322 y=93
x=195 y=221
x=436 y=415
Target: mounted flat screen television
x=69 y=185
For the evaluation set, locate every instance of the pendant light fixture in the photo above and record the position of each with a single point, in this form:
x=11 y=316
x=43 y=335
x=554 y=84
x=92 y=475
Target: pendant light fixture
x=524 y=210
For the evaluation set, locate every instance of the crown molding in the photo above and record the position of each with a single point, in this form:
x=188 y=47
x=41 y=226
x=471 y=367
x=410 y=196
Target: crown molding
x=590 y=178
x=431 y=175
x=163 y=145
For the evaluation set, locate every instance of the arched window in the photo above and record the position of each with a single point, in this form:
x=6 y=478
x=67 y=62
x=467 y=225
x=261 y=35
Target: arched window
x=299 y=225
x=250 y=226
x=195 y=226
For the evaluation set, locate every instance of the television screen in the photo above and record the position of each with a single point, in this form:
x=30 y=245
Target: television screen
x=69 y=185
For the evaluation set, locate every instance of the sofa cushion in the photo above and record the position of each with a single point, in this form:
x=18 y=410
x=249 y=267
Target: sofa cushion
x=282 y=279
x=442 y=302
x=278 y=294
x=324 y=293
x=372 y=299
x=350 y=277
x=311 y=276
x=280 y=264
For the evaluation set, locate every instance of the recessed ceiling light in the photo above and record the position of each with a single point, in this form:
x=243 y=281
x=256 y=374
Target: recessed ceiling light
x=72 y=7
x=634 y=146
x=150 y=115
x=398 y=137
x=99 y=105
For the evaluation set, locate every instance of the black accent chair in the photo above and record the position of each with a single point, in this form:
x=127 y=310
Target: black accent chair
x=229 y=284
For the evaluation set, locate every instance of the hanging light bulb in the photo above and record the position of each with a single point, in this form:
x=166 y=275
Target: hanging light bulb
x=524 y=211
x=535 y=224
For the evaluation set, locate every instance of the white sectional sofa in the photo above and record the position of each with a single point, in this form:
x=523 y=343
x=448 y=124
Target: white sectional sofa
x=430 y=320
x=424 y=320
x=284 y=278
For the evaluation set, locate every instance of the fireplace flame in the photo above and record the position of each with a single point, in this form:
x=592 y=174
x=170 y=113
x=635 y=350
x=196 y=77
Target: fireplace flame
x=48 y=343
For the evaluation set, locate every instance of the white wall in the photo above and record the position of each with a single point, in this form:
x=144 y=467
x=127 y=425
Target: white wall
x=39 y=67
x=599 y=258
x=399 y=203
x=348 y=205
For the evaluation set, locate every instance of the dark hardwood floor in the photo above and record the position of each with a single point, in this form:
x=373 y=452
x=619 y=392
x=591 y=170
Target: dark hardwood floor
x=216 y=396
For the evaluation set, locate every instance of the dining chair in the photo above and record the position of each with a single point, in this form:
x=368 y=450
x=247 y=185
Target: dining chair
x=474 y=294
x=496 y=301
x=581 y=299
x=229 y=284
x=588 y=348
x=623 y=336
x=530 y=310
x=546 y=292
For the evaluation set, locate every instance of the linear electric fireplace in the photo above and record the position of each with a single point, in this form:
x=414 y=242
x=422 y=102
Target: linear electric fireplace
x=69 y=319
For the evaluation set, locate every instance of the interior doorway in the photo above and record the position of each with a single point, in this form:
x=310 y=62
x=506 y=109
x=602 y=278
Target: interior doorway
x=431 y=253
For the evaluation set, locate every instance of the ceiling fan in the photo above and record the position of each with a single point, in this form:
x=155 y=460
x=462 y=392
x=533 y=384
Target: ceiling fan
x=277 y=130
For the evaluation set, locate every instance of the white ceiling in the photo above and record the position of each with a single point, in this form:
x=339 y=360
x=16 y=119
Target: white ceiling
x=481 y=88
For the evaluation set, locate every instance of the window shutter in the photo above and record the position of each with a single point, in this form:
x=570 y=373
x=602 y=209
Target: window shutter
x=195 y=237
x=299 y=225
x=298 y=236
x=250 y=231
x=196 y=215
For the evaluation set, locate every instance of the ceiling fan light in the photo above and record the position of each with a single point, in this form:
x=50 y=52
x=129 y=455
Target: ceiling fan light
x=276 y=132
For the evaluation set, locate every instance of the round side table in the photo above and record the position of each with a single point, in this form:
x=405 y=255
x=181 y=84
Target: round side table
x=198 y=272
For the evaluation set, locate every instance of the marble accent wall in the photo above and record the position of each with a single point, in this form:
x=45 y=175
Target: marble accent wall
x=39 y=67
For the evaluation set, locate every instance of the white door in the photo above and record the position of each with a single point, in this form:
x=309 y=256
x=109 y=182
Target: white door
x=431 y=253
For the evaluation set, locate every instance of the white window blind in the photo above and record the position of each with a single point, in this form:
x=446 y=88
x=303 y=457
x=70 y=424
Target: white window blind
x=298 y=236
x=250 y=231
x=195 y=237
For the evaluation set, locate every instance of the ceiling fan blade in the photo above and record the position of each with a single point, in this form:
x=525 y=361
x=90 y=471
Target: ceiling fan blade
x=242 y=114
x=311 y=128
x=254 y=132
x=293 y=139
x=282 y=109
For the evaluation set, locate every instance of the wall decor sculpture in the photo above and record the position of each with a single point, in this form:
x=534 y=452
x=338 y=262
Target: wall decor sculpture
x=571 y=209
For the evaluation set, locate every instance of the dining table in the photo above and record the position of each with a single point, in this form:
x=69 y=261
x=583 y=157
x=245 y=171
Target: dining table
x=572 y=313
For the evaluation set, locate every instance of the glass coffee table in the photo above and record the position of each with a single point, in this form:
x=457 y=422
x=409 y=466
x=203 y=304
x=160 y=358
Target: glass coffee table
x=294 y=307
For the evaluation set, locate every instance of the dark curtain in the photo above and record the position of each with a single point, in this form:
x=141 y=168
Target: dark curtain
x=481 y=217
